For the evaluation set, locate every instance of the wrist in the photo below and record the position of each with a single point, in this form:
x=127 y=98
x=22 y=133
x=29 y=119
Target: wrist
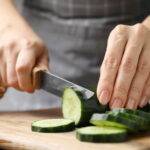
x=10 y=17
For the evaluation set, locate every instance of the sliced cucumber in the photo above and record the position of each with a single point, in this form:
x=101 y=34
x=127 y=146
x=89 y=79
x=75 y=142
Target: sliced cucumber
x=113 y=121
x=53 y=125
x=75 y=107
x=142 y=123
x=135 y=112
x=101 y=134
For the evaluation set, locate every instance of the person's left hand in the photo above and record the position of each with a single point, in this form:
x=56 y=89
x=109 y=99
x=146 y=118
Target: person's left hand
x=125 y=71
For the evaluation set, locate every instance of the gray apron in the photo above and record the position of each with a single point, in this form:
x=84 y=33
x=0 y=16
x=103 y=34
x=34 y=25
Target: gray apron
x=76 y=33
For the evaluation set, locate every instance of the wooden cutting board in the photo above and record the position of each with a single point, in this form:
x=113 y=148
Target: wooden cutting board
x=16 y=134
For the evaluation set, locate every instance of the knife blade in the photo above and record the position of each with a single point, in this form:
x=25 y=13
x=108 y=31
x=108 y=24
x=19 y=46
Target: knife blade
x=56 y=85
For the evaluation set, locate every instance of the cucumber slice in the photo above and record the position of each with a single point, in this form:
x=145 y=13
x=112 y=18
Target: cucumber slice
x=53 y=125
x=140 y=113
x=79 y=109
x=142 y=123
x=101 y=134
x=113 y=121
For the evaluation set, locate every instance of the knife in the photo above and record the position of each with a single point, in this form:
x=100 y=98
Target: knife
x=55 y=84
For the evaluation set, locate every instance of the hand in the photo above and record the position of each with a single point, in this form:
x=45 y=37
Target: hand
x=125 y=71
x=20 y=50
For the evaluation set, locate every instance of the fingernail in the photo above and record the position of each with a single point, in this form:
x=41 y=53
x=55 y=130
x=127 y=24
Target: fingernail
x=131 y=104
x=117 y=103
x=104 y=97
x=143 y=101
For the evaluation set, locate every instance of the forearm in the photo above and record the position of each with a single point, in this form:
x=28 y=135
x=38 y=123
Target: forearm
x=146 y=22
x=10 y=16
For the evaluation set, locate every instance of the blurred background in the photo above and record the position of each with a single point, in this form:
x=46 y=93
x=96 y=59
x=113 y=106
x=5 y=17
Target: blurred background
x=18 y=4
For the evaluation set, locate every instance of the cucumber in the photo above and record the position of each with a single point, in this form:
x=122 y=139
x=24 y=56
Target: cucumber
x=142 y=123
x=92 y=88
x=53 y=125
x=101 y=134
x=79 y=109
x=113 y=121
x=140 y=113
x=146 y=108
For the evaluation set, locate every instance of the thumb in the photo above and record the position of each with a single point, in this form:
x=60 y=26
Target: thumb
x=43 y=63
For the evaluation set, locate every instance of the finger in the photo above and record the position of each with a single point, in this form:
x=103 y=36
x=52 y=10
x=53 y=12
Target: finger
x=3 y=76
x=24 y=65
x=139 y=80
x=115 y=48
x=127 y=70
x=43 y=62
x=11 y=57
x=145 y=93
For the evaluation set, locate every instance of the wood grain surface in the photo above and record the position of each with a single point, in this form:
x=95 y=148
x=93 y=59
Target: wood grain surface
x=16 y=134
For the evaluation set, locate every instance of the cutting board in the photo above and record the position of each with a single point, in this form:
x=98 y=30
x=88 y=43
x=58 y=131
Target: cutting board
x=16 y=134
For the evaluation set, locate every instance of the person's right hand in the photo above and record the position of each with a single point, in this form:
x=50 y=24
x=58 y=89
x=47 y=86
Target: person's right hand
x=20 y=50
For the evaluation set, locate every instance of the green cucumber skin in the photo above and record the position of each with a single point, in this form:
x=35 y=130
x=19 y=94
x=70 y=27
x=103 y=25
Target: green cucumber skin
x=146 y=108
x=130 y=125
x=65 y=128
x=140 y=113
x=89 y=106
x=91 y=88
x=101 y=138
x=142 y=123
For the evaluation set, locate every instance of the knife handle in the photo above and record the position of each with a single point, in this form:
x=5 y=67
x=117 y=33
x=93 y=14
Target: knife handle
x=3 y=90
x=36 y=77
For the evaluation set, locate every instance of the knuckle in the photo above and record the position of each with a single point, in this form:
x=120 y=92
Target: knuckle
x=136 y=90
x=120 y=29
x=121 y=89
x=27 y=44
x=21 y=68
x=33 y=44
x=10 y=44
x=6 y=27
x=25 y=41
x=143 y=67
x=128 y=65
x=139 y=29
x=118 y=32
x=110 y=62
